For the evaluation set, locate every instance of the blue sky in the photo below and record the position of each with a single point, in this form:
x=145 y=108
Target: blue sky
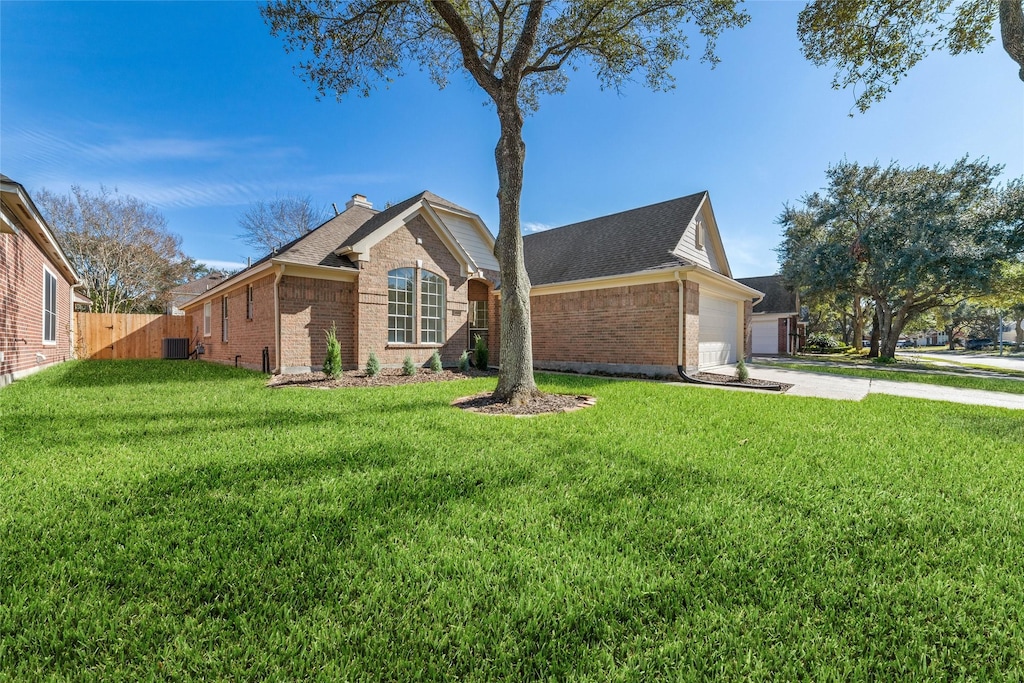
x=195 y=108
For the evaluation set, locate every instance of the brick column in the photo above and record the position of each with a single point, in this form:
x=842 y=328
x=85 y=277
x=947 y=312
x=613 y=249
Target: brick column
x=691 y=325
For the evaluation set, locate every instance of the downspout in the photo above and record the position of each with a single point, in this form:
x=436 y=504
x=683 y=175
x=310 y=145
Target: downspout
x=277 y=318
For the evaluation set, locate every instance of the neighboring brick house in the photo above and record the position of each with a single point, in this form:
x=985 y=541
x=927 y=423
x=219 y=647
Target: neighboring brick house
x=776 y=326
x=643 y=291
x=412 y=279
x=37 y=294
x=184 y=293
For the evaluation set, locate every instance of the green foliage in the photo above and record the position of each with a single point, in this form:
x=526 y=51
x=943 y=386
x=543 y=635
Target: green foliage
x=464 y=362
x=405 y=538
x=742 y=373
x=823 y=343
x=435 y=362
x=408 y=367
x=372 y=365
x=481 y=357
x=332 y=361
x=884 y=360
x=873 y=44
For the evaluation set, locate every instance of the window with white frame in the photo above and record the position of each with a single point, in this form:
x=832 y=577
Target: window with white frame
x=431 y=308
x=248 y=303
x=49 y=307
x=207 y=315
x=224 y=318
x=401 y=301
x=477 y=322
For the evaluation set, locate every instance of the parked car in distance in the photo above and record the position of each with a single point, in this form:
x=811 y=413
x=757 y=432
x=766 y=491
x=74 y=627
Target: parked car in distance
x=975 y=344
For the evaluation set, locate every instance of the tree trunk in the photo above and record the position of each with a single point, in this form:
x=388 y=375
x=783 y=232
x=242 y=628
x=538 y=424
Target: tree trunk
x=515 y=381
x=858 y=324
x=1020 y=335
x=875 y=336
x=950 y=338
x=1011 y=25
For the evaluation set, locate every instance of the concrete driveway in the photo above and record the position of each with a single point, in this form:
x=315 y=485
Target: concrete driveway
x=856 y=388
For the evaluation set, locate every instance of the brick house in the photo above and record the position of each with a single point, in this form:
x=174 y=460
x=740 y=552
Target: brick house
x=415 y=278
x=37 y=293
x=776 y=326
x=645 y=291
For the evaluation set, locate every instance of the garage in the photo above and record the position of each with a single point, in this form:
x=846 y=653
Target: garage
x=765 y=336
x=718 y=331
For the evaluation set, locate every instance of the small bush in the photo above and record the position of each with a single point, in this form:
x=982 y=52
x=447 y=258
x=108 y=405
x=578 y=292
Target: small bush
x=480 y=353
x=464 y=362
x=823 y=343
x=742 y=373
x=408 y=367
x=883 y=361
x=435 y=362
x=372 y=365
x=332 y=362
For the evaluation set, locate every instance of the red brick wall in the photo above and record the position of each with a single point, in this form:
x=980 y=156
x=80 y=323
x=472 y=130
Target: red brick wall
x=635 y=325
x=246 y=338
x=691 y=327
x=308 y=307
x=21 y=308
x=400 y=250
x=783 y=335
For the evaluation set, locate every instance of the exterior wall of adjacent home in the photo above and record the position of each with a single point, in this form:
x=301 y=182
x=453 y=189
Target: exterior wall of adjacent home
x=783 y=326
x=22 y=264
x=246 y=337
x=416 y=246
x=630 y=329
x=308 y=309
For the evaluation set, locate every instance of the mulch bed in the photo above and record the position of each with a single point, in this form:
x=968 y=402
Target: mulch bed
x=735 y=381
x=358 y=378
x=545 y=404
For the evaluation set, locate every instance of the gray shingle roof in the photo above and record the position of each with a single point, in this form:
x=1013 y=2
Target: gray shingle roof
x=368 y=227
x=627 y=242
x=777 y=299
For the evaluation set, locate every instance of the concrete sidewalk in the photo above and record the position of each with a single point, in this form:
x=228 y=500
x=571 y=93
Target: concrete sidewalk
x=856 y=388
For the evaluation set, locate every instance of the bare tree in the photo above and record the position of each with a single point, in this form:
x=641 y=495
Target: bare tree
x=119 y=245
x=516 y=52
x=267 y=224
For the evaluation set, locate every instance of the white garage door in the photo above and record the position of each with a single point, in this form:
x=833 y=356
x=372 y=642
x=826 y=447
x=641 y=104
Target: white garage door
x=718 y=331
x=765 y=336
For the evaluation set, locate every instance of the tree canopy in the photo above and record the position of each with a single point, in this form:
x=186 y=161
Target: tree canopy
x=872 y=44
x=909 y=239
x=267 y=224
x=515 y=52
x=120 y=246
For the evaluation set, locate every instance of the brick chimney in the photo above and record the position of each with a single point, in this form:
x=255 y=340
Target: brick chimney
x=358 y=200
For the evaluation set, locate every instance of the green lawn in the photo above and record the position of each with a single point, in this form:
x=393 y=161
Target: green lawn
x=175 y=520
x=1007 y=385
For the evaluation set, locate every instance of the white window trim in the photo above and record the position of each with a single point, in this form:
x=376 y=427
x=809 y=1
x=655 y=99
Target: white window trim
x=224 y=318
x=250 y=303
x=207 y=318
x=413 y=305
x=49 y=342
x=443 y=306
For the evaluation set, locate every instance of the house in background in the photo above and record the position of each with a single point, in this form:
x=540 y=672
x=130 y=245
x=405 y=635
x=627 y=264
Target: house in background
x=182 y=294
x=37 y=292
x=776 y=327
x=644 y=291
x=415 y=278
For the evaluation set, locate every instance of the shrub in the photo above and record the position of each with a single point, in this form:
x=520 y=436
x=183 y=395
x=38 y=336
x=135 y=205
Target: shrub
x=372 y=365
x=435 y=362
x=332 y=362
x=823 y=343
x=742 y=374
x=408 y=367
x=480 y=354
x=464 y=362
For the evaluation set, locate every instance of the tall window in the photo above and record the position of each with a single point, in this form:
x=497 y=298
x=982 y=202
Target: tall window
x=401 y=282
x=431 y=308
x=477 y=321
x=224 y=318
x=248 y=303
x=49 y=307
x=207 y=315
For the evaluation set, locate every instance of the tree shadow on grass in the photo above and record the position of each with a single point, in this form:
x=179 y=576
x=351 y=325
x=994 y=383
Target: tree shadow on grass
x=110 y=373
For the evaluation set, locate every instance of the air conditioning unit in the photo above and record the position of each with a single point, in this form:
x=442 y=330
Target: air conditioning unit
x=176 y=348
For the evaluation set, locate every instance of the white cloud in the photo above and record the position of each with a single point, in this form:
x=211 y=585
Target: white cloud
x=221 y=265
x=530 y=227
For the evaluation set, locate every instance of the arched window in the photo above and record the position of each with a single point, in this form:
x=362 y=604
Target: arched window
x=431 y=308
x=400 y=305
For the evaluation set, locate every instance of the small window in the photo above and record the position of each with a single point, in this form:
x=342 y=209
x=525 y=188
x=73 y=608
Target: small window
x=477 y=322
x=401 y=283
x=207 y=315
x=248 y=303
x=431 y=308
x=224 y=318
x=49 y=307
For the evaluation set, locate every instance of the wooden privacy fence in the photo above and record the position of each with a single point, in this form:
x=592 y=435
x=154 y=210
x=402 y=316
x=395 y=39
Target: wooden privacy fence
x=109 y=336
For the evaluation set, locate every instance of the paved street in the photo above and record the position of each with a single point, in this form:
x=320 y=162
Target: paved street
x=991 y=360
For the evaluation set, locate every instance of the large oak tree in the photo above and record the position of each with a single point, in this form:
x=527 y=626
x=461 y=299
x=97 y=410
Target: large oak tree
x=516 y=52
x=908 y=239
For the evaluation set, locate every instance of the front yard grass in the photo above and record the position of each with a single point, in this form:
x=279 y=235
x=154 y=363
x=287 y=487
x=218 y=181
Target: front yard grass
x=176 y=520
x=937 y=376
